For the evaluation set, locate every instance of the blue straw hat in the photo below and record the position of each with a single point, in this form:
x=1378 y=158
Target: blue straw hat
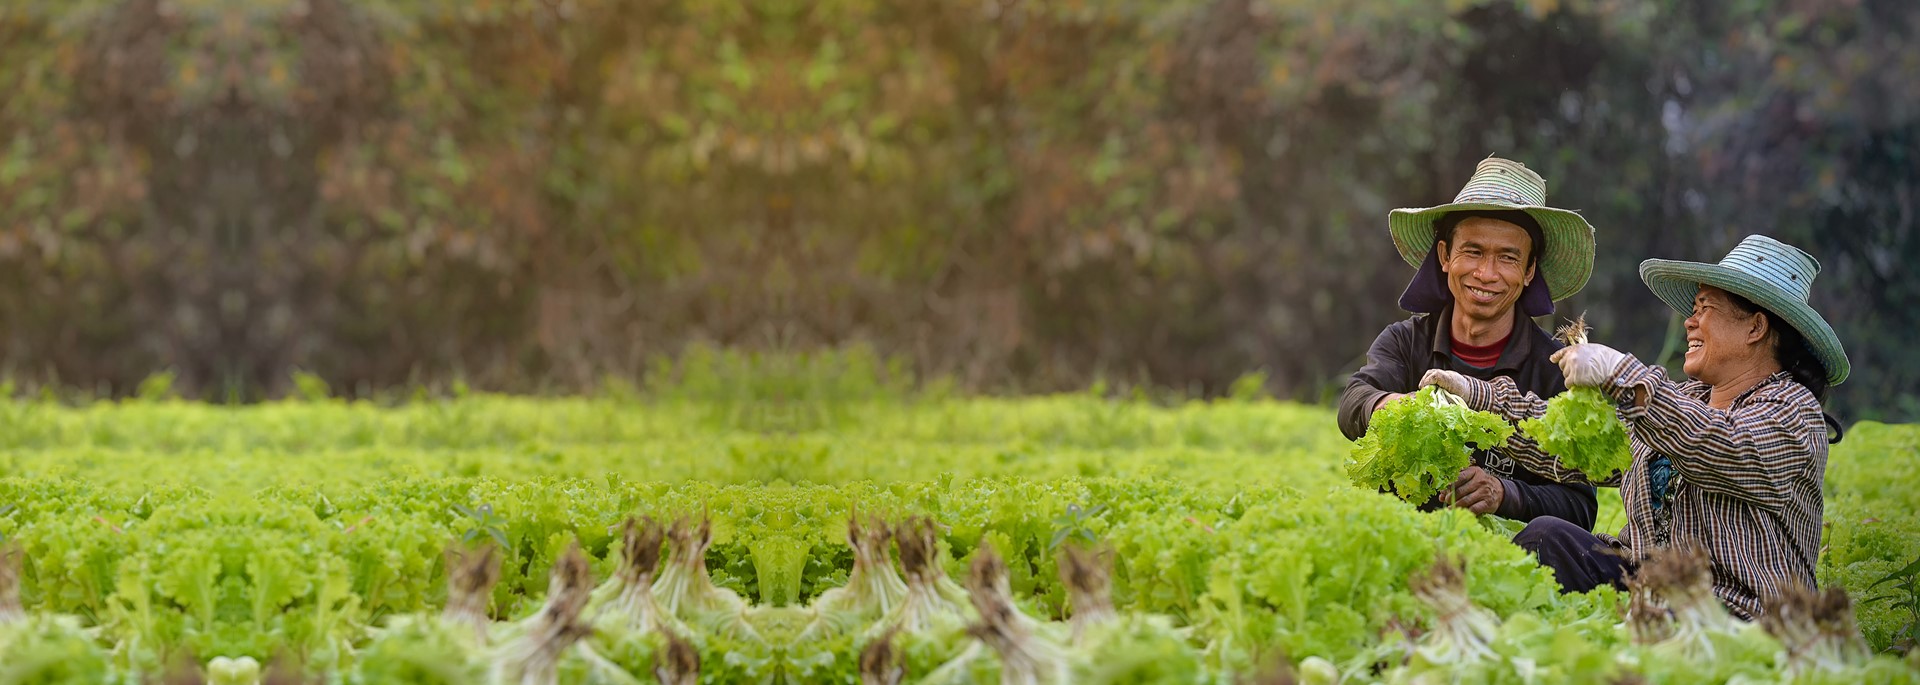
x=1501 y=184
x=1774 y=275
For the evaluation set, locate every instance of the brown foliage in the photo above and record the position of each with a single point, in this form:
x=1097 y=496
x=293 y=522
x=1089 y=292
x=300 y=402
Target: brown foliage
x=1023 y=195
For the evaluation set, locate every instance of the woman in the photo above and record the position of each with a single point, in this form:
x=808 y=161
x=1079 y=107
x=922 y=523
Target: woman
x=1730 y=461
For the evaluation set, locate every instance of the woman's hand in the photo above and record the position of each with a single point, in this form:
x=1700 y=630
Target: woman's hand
x=1450 y=381
x=1588 y=364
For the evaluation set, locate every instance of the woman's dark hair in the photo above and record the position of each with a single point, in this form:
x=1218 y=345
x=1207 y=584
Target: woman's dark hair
x=1790 y=349
x=1443 y=228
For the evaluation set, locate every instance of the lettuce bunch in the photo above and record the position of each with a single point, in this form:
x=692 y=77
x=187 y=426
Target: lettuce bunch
x=1581 y=428
x=1417 y=445
x=1580 y=425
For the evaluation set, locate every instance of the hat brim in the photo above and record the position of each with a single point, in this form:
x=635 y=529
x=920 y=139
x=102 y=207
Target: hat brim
x=1676 y=283
x=1566 y=262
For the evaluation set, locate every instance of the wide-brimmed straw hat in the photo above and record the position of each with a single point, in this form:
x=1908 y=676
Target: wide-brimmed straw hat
x=1566 y=260
x=1773 y=275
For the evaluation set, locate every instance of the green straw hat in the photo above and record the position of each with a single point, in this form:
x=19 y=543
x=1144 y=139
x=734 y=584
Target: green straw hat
x=1774 y=275
x=1500 y=184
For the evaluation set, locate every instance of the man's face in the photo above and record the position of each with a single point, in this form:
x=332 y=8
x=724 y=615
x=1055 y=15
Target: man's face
x=1486 y=266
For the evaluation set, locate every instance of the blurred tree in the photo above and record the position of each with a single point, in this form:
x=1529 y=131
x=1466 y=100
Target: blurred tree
x=1026 y=195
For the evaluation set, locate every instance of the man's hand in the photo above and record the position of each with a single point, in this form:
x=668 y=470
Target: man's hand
x=1450 y=381
x=1384 y=399
x=1478 y=491
x=1588 y=364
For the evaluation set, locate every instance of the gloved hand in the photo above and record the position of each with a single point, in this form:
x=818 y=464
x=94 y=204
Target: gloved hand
x=1450 y=381
x=1588 y=364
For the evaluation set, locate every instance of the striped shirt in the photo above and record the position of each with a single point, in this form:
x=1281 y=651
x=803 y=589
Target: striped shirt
x=1744 y=482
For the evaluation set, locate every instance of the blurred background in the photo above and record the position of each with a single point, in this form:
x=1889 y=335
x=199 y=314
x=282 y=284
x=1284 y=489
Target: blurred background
x=554 y=195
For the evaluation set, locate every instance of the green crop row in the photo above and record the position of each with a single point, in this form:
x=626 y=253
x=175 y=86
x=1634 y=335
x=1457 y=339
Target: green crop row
x=300 y=530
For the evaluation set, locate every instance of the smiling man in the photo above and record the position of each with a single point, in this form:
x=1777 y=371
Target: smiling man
x=1493 y=254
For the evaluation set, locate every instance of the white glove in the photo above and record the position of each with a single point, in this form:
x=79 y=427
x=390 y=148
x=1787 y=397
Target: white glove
x=1588 y=364
x=1450 y=381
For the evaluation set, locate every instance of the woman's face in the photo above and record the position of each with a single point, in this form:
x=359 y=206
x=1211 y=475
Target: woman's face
x=1721 y=339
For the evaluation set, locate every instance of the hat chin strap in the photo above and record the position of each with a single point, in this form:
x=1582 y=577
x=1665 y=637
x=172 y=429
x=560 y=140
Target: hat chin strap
x=1427 y=293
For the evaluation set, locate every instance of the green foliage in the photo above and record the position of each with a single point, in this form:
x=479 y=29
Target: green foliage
x=156 y=387
x=1582 y=429
x=1072 y=525
x=417 y=650
x=310 y=387
x=1417 y=445
x=485 y=522
x=317 y=530
x=1900 y=590
x=1865 y=542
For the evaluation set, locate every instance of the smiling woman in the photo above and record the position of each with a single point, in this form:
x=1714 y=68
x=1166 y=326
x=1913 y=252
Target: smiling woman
x=1731 y=344
x=1731 y=461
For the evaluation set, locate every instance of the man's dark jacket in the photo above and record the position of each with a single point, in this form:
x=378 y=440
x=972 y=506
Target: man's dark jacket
x=1406 y=350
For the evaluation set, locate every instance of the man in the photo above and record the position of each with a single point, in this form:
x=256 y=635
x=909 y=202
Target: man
x=1492 y=254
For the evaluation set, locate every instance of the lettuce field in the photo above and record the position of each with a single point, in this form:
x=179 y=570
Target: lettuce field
x=1061 y=539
